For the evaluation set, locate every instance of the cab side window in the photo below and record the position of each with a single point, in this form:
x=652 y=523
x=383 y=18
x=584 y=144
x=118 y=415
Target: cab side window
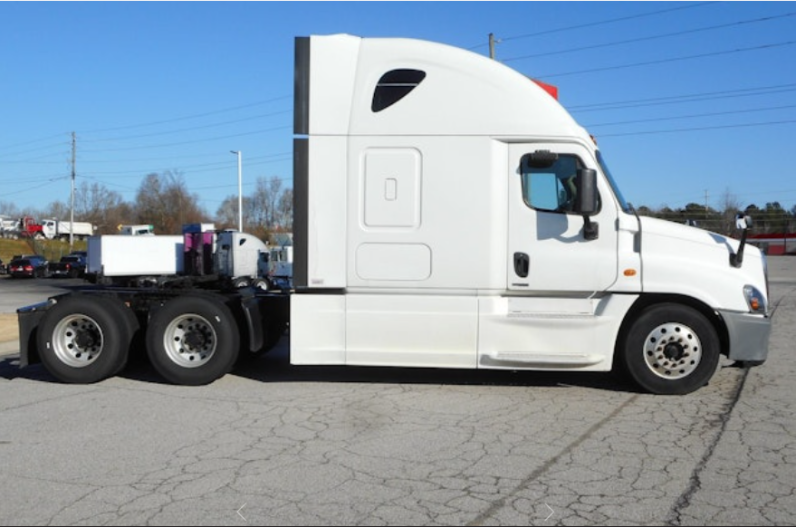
x=548 y=181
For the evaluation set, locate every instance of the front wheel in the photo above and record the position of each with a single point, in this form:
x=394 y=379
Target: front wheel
x=670 y=349
x=193 y=340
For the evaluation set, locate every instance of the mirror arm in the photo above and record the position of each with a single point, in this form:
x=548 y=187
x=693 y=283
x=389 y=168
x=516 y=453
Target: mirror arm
x=591 y=229
x=736 y=259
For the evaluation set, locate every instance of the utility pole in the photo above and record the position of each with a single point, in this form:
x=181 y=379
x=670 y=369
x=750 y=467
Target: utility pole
x=72 y=213
x=706 y=206
x=492 y=46
x=240 y=190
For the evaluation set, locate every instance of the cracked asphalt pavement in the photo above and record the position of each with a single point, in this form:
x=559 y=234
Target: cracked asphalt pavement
x=273 y=444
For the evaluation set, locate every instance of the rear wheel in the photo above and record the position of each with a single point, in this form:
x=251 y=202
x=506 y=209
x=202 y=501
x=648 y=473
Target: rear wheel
x=193 y=340
x=262 y=284
x=84 y=339
x=241 y=282
x=670 y=349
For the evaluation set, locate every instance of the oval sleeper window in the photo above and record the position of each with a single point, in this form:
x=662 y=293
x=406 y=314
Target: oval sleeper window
x=394 y=86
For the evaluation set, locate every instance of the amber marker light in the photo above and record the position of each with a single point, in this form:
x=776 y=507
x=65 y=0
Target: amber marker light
x=630 y=272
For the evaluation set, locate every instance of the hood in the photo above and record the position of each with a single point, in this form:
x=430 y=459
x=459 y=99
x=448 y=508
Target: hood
x=687 y=234
x=690 y=261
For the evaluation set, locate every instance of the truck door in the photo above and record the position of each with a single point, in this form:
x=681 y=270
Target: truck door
x=549 y=250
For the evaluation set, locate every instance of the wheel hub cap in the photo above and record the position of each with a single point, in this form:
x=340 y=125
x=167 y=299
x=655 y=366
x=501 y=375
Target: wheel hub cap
x=77 y=340
x=672 y=351
x=190 y=341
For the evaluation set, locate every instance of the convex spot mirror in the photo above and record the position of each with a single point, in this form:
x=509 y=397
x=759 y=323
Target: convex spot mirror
x=743 y=222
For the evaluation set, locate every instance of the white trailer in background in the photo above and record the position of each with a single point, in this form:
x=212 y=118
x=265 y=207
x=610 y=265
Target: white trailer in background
x=57 y=229
x=117 y=256
x=9 y=228
x=406 y=154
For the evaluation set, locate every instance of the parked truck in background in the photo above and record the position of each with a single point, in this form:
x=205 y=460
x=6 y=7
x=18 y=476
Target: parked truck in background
x=69 y=266
x=61 y=230
x=137 y=230
x=28 y=227
x=8 y=227
x=405 y=152
x=24 y=227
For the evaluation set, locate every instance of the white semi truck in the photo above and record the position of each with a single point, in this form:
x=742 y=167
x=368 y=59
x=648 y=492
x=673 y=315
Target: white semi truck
x=405 y=152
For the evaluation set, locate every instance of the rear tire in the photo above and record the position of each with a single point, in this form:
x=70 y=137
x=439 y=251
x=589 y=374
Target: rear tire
x=84 y=339
x=263 y=284
x=241 y=282
x=670 y=349
x=193 y=340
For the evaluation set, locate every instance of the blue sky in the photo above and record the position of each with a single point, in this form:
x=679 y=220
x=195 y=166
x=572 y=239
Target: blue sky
x=689 y=101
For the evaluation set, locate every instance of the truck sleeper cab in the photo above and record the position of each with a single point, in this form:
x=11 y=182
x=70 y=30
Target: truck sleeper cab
x=439 y=150
x=407 y=154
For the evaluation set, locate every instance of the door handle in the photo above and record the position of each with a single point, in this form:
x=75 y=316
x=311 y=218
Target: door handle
x=522 y=264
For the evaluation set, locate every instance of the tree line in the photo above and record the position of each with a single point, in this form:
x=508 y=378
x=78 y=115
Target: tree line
x=771 y=218
x=164 y=201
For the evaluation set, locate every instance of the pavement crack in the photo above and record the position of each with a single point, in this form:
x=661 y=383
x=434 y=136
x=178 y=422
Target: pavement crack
x=695 y=481
x=524 y=484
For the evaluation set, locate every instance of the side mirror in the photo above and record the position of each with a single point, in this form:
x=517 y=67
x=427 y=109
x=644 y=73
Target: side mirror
x=586 y=186
x=586 y=202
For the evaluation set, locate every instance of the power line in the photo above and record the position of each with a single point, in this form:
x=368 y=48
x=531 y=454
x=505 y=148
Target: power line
x=163 y=145
x=691 y=116
x=591 y=47
x=187 y=117
x=673 y=59
x=30 y=189
x=599 y=22
x=203 y=167
x=33 y=141
x=677 y=99
x=701 y=128
x=180 y=130
x=39 y=149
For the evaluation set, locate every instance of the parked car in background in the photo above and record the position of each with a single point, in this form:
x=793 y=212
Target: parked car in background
x=28 y=267
x=70 y=266
x=2 y=267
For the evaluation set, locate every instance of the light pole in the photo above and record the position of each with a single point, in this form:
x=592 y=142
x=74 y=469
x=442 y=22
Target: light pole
x=240 y=191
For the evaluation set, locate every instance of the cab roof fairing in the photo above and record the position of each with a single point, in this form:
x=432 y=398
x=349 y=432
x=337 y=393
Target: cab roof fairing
x=463 y=93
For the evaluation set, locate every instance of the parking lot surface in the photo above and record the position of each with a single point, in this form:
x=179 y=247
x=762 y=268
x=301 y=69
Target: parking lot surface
x=273 y=444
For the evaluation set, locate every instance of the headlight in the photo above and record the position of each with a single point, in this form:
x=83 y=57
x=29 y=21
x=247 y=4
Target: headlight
x=755 y=300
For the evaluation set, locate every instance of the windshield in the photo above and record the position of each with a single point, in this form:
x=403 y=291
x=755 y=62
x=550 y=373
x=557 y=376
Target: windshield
x=622 y=203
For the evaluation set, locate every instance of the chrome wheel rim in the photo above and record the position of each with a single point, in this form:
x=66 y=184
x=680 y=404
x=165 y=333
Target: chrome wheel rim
x=190 y=341
x=672 y=351
x=78 y=341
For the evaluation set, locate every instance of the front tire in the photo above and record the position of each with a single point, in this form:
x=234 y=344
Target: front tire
x=84 y=339
x=193 y=340
x=670 y=349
